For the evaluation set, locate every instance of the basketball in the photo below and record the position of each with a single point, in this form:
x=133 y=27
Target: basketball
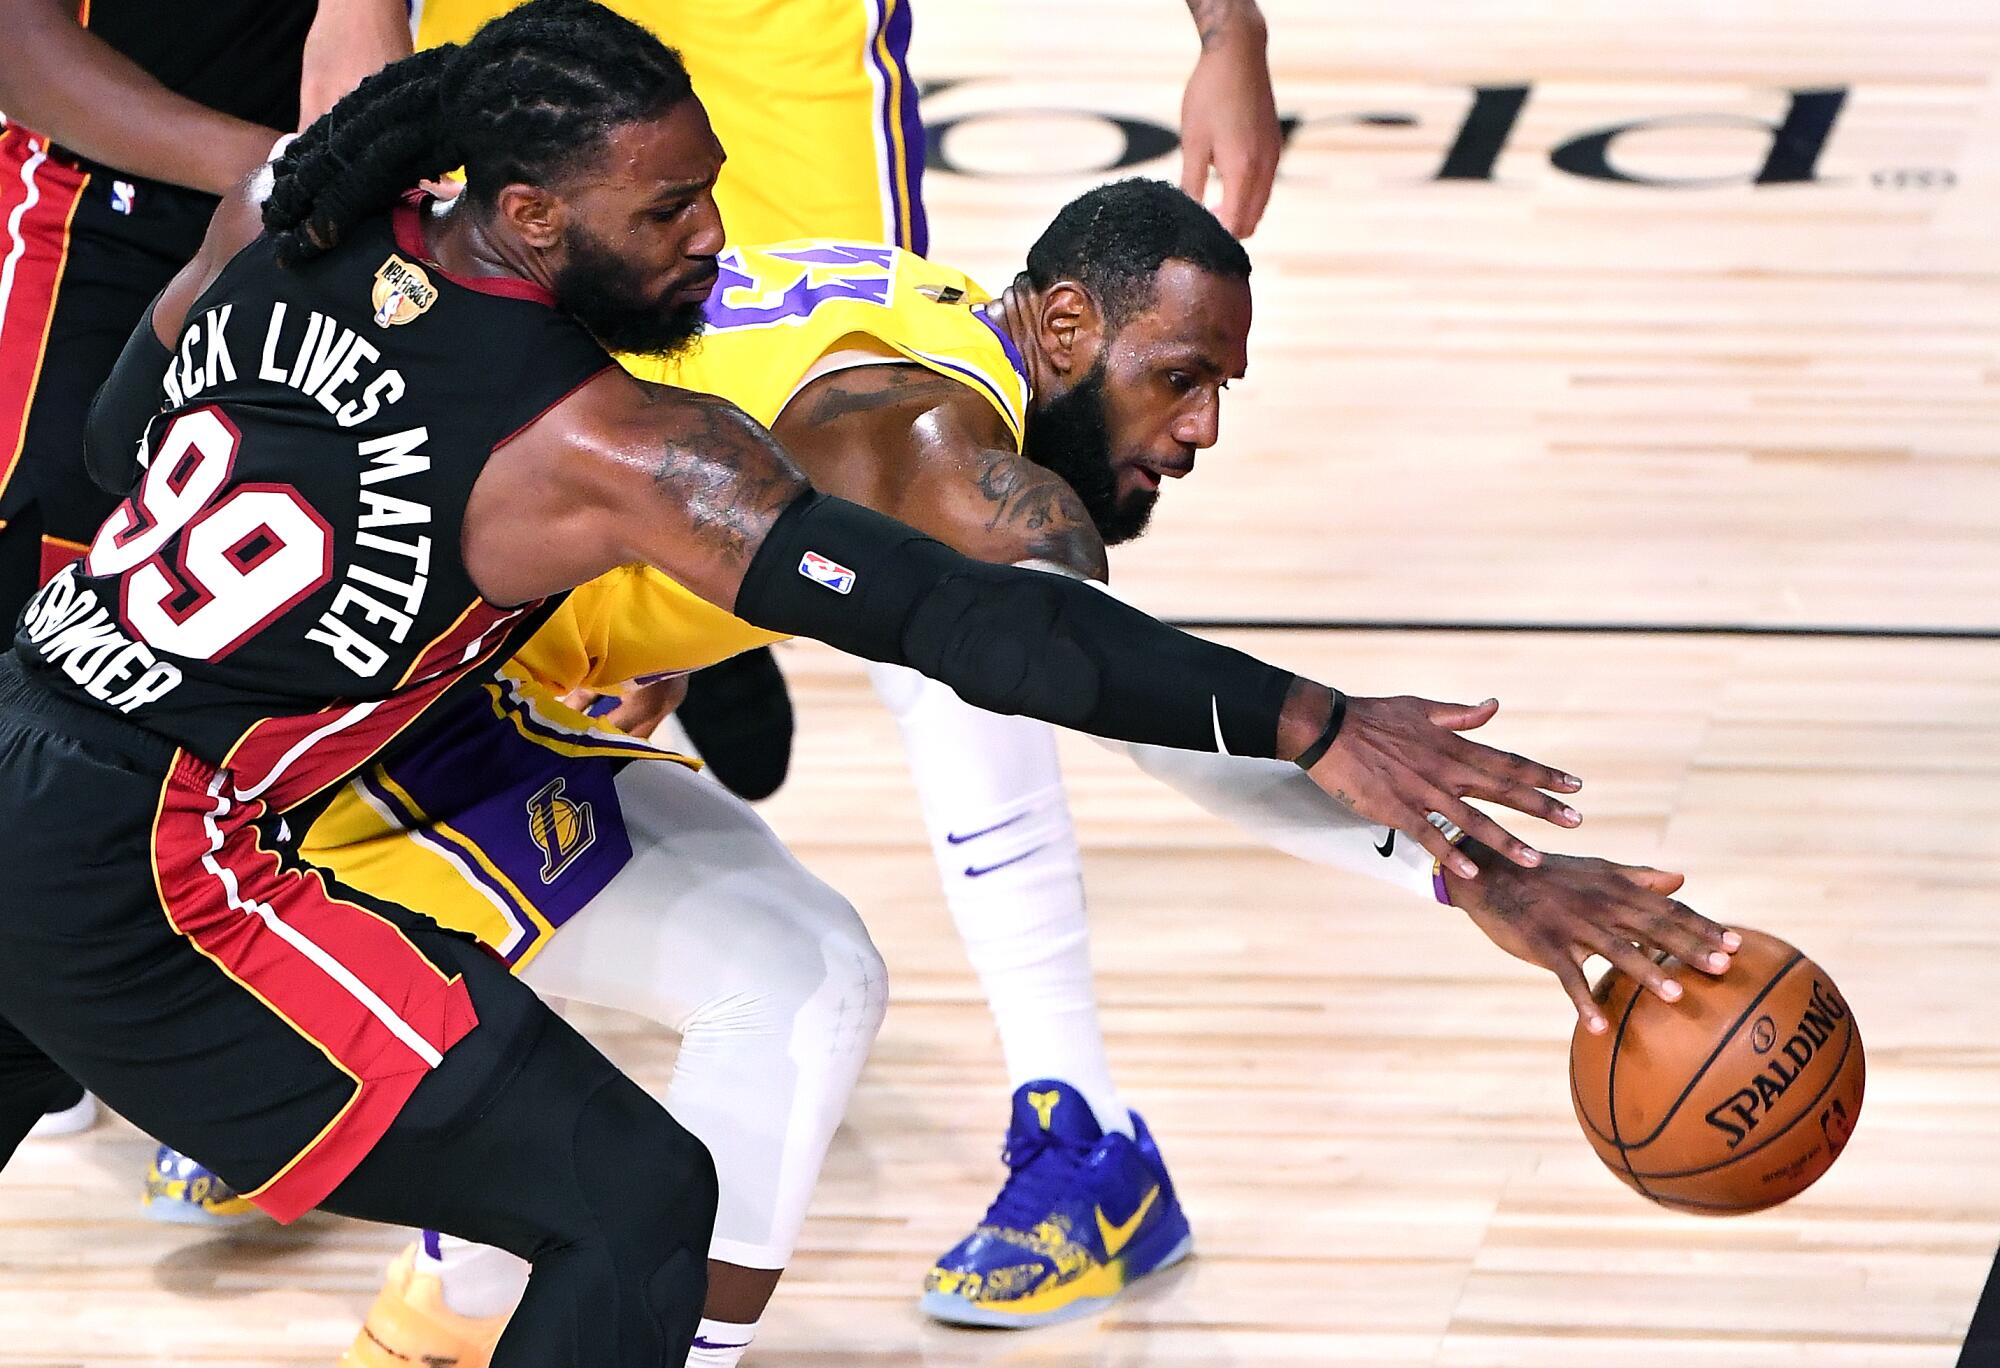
x=1737 y=1097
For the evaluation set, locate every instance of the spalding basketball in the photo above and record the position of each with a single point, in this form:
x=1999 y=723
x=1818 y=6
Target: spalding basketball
x=1733 y=1099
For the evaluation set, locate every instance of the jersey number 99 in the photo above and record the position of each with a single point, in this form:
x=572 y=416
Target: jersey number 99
x=202 y=569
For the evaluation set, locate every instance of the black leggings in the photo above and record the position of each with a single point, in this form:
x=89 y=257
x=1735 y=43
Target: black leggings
x=563 y=1161
x=573 y=1167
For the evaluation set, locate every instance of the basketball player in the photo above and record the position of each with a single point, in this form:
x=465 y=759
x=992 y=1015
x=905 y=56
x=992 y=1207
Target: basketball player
x=120 y=133
x=316 y=1046
x=815 y=102
x=826 y=110
x=1031 y=428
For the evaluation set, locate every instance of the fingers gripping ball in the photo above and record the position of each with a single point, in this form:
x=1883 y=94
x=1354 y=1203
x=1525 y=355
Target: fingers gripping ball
x=1732 y=1099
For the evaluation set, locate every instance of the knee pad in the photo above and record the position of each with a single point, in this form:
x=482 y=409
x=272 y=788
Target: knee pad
x=648 y=1189
x=644 y=1179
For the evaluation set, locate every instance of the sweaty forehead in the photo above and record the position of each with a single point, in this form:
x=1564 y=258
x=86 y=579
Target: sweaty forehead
x=676 y=148
x=1198 y=311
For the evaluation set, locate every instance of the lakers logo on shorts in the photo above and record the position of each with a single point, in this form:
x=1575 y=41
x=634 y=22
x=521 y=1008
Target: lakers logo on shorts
x=402 y=292
x=562 y=827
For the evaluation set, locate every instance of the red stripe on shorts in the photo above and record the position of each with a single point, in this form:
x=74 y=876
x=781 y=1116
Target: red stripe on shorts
x=38 y=198
x=341 y=976
x=285 y=760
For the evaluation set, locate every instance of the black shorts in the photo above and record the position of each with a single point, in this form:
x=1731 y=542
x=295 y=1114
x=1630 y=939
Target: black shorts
x=88 y=248
x=159 y=945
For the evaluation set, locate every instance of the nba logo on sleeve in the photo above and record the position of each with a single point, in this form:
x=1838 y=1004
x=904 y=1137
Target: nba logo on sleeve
x=832 y=574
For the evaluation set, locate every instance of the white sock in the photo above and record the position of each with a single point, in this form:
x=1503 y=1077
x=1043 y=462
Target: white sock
x=477 y=1281
x=720 y=1344
x=993 y=800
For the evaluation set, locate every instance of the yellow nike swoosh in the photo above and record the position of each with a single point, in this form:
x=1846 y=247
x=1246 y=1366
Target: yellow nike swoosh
x=1116 y=1237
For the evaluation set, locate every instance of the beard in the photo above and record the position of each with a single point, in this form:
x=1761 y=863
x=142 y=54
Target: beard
x=1067 y=436
x=603 y=292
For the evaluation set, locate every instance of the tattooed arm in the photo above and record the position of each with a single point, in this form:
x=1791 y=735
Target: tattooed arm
x=928 y=450
x=622 y=473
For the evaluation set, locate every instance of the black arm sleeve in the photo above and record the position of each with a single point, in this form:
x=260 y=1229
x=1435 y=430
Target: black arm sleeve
x=1007 y=640
x=122 y=407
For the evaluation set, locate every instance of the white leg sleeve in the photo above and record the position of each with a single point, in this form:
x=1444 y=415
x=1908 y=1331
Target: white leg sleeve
x=714 y=930
x=992 y=796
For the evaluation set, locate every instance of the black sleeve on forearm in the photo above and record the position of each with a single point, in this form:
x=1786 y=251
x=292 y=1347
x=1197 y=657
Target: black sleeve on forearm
x=123 y=405
x=1007 y=640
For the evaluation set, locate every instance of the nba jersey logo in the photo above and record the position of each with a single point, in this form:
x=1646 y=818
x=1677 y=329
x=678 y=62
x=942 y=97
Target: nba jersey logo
x=124 y=197
x=402 y=292
x=562 y=827
x=1044 y=1104
x=831 y=573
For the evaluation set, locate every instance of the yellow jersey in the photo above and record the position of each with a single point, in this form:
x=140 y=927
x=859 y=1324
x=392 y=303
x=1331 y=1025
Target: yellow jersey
x=812 y=99
x=503 y=820
x=780 y=315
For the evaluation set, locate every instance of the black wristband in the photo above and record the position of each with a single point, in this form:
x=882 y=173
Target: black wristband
x=1314 y=753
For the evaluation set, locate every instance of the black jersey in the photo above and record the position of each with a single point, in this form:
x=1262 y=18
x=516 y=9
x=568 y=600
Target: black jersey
x=283 y=591
x=238 y=56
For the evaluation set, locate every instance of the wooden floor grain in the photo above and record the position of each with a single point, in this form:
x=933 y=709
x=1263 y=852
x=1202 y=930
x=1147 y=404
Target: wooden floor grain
x=1539 y=398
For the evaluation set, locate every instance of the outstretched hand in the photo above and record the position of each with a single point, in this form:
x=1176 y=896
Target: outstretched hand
x=1570 y=908
x=1398 y=760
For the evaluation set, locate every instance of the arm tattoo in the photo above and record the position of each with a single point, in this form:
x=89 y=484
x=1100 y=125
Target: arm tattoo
x=1212 y=16
x=1043 y=512
x=724 y=472
x=867 y=388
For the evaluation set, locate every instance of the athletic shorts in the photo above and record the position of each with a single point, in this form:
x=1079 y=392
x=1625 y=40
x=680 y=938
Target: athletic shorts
x=812 y=100
x=83 y=251
x=502 y=821
x=161 y=945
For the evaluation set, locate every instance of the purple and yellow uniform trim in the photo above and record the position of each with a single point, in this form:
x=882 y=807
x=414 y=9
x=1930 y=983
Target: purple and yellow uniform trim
x=504 y=821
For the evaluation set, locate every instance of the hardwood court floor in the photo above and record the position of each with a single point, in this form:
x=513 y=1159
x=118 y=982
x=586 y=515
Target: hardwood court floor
x=1363 y=1102
x=1535 y=397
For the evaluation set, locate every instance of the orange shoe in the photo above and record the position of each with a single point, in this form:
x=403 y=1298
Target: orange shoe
x=409 y=1326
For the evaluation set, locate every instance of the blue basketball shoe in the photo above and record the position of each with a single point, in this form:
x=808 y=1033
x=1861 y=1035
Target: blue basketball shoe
x=183 y=1192
x=1083 y=1216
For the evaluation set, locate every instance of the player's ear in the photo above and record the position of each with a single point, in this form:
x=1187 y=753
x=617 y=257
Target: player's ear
x=535 y=215
x=1071 y=327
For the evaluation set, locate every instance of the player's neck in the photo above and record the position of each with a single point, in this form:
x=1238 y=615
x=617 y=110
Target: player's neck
x=461 y=241
x=1015 y=312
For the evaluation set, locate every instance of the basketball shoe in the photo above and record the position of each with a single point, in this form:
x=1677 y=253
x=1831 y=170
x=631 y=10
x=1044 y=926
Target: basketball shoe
x=183 y=1192
x=1083 y=1215
x=410 y=1324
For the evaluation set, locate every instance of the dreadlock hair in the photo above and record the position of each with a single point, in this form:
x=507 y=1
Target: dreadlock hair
x=528 y=98
x=1113 y=240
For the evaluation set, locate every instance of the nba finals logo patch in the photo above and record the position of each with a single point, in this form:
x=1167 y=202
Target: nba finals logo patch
x=831 y=573
x=402 y=292
x=562 y=827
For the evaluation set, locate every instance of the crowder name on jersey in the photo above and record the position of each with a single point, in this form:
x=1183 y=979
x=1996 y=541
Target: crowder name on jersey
x=77 y=632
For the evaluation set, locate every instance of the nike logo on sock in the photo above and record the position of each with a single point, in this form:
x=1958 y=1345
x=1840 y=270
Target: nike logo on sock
x=700 y=1343
x=1215 y=715
x=1387 y=847
x=975 y=871
x=953 y=838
